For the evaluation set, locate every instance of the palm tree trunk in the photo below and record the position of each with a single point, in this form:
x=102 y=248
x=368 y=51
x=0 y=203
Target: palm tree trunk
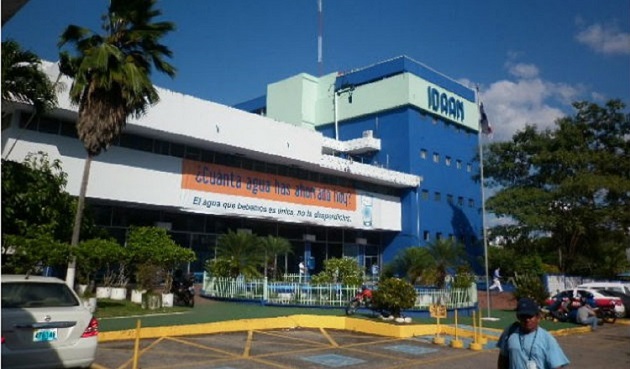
x=78 y=217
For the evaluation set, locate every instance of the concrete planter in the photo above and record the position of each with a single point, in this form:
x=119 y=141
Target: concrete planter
x=119 y=293
x=103 y=292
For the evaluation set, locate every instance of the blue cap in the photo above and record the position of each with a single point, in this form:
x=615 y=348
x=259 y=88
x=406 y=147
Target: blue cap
x=526 y=306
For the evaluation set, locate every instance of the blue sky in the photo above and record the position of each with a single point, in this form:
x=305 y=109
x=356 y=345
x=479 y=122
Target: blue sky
x=531 y=58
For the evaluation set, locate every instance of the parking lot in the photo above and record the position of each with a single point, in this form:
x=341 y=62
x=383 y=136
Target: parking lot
x=309 y=348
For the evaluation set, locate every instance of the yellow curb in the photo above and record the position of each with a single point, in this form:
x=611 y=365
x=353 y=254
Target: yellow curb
x=286 y=322
x=317 y=322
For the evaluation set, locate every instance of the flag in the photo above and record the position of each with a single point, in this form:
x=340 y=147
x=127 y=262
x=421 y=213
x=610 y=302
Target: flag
x=484 y=124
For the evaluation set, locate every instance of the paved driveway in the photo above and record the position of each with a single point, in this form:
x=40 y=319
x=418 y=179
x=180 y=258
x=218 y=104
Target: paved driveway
x=329 y=348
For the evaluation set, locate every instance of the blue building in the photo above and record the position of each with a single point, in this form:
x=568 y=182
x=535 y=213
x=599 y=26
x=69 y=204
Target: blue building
x=427 y=124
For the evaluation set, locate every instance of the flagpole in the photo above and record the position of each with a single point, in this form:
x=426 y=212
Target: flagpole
x=483 y=213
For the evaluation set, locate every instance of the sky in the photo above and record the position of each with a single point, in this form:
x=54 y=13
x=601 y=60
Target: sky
x=531 y=59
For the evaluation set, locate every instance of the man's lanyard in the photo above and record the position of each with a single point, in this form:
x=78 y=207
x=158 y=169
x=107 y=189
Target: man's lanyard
x=521 y=340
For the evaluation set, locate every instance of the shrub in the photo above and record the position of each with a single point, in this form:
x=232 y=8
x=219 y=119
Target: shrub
x=394 y=295
x=340 y=270
x=532 y=286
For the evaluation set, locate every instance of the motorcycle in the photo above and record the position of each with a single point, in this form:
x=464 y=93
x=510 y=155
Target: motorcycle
x=184 y=291
x=363 y=298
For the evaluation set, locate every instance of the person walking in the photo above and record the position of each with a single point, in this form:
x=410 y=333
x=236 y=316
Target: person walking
x=525 y=345
x=496 y=280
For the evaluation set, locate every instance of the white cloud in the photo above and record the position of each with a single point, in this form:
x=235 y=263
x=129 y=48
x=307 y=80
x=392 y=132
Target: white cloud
x=512 y=104
x=605 y=39
x=522 y=70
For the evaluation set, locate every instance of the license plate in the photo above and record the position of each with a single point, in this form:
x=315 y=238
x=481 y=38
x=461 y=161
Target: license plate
x=45 y=335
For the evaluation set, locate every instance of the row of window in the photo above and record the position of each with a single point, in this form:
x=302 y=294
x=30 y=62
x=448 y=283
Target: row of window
x=135 y=142
x=447 y=160
x=426 y=236
x=437 y=196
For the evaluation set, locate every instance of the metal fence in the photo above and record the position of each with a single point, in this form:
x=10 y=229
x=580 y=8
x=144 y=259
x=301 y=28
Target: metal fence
x=328 y=295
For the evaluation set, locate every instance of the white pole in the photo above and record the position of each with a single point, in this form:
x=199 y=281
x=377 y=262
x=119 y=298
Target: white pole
x=483 y=222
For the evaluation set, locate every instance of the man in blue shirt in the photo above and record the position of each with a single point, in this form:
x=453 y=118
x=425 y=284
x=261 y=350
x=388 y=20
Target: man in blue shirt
x=525 y=345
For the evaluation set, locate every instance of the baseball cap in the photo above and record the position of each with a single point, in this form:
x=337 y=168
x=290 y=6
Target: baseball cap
x=526 y=306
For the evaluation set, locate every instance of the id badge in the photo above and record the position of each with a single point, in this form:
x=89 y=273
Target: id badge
x=531 y=364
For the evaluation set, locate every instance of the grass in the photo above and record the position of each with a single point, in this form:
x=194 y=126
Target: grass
x=107 y=308
x=123 y=315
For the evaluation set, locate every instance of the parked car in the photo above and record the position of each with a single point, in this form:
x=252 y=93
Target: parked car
x=602 y=298
x=625 y=299
x=45 y=325
x=611 y=286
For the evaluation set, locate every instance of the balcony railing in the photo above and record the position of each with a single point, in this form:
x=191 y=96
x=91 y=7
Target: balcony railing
x=384 y=175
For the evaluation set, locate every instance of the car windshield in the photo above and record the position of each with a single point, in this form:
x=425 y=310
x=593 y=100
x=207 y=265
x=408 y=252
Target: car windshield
x=34 y=294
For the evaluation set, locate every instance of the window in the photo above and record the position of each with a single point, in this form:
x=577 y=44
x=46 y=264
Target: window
x=425 y=194
x=438 y=236
x=436 y=157
x=449 y=198
x=469 y=167
x=471 y=203
x=460 y=201
x=448 y=161
x=426 y=235
x=437 y=196
x=458 y=164
x=423 y=154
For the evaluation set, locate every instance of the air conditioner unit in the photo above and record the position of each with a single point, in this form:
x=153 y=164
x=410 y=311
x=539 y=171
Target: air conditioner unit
x=310 y=237
x=166 y=225
x=368 y=134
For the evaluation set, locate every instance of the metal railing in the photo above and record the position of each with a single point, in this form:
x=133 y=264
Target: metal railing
x=328 y=295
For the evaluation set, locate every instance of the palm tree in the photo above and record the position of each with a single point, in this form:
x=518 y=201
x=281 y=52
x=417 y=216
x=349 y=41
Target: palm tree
x=274 y=246
x=111 y=79
x=24 y=82
x=446 y=254
x=242 y=251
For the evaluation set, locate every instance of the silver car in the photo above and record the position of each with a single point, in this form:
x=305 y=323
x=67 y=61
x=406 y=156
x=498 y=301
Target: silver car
x=45 y=325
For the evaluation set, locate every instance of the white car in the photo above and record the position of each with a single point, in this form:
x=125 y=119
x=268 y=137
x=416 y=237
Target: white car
x=614 y=286
x=45 y=325
x=602 y=298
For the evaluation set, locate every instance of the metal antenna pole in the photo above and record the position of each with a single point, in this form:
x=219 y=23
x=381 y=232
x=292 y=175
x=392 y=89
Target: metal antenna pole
x=320 y=38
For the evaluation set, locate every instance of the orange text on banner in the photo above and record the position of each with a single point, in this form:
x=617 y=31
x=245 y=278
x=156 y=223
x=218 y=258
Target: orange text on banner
x=221 y=179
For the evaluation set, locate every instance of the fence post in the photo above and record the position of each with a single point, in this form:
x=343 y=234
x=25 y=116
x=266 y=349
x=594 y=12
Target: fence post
x=265 y=292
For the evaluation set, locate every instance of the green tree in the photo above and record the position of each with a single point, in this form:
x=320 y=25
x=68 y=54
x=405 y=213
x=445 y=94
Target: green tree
x=23 y=81
x=242 y=253
x=111 y=79
x=34 y=201
x=272 y=247
x=568 y=186
x=340 y=270
x=151 y=247
x=411 y=263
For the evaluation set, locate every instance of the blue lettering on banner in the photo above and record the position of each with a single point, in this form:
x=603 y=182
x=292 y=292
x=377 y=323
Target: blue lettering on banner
x=445 y=104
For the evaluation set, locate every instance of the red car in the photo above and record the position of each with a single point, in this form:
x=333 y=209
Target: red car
x=602 y=298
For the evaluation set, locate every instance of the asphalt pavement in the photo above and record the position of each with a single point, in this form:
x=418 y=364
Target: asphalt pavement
x=308 y=341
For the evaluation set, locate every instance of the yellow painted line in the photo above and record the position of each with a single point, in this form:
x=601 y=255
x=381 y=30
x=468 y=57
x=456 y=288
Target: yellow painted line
x=205 y=347
x=97 y=366
x=248 y=343
x=130 y=361
x=296 y=339
x=333 y=343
